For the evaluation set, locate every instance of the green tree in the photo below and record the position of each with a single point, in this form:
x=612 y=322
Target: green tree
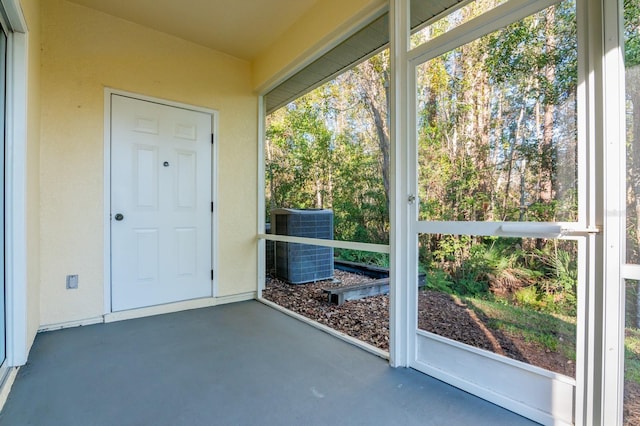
x=330 y=149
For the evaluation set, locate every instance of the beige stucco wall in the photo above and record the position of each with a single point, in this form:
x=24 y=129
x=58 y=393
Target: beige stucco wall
x=31 y=11
x=85 y=51
x=326 y=21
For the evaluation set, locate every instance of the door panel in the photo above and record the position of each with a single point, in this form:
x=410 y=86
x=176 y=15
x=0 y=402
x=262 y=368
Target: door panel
x=187 y=250
x=147 y=254
x=161 y=187
x=186 y=180
x=146 y=176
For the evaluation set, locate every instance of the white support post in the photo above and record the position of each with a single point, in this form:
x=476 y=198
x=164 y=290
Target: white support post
x=262 y=251
x=599 y=394
x=614 y=164
x=402 y=254
x=588 y=408
x=586 y=334
x=18 y=338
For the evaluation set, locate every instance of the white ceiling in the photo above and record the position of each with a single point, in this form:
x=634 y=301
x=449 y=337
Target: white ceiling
x=241 y=28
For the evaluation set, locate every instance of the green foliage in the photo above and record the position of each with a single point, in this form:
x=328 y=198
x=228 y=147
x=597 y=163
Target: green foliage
x=632 y=354
x=631 y=32
x=556 y=287
x=302 y=157
x=366 y=257
x=321 y=153
x=495 y=118
x=631 y=303
x=528 y=297
x=469 y=285
x=496 y=138
x=438 y=280
x=525 y=49
x=541 y=278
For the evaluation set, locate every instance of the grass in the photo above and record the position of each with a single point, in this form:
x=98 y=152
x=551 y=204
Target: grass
x=632 y=355
x=366 y=257
x=554 y=332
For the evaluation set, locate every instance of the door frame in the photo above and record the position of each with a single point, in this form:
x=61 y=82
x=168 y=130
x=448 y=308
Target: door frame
x=108 y=92
x=18 y=334
x=543 y=405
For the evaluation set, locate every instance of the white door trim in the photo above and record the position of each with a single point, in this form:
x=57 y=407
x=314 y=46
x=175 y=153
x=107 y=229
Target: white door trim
x=107 y=185
x=402 y=313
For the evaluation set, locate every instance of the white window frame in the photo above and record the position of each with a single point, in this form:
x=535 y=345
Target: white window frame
x=600 y=202
x=613 y=140
x=262 y=237
x=17 y=333
x=599 y=387
x=403 y=256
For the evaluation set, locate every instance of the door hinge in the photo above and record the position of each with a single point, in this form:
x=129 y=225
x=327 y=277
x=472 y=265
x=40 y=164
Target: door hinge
x=212 y=275
x=212 y=207
x=212 y=138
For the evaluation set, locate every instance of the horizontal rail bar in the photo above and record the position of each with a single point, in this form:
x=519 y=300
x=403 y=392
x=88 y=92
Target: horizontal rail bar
x=351 y=245
x=631 y=272
x=506 y=229
x=547 y=231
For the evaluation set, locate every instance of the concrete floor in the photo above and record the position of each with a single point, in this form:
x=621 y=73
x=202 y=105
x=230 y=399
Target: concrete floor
x=240 y=364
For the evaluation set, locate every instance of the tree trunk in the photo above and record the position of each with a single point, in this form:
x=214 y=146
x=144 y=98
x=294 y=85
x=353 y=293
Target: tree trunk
x=516 y=138
x=375 y=90
x=548 y=166
x=633 y=155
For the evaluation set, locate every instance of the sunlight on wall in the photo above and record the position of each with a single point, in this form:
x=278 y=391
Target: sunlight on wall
x=327 y=20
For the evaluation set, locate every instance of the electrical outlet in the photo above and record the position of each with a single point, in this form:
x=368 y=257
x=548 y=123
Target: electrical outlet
x=72 y=281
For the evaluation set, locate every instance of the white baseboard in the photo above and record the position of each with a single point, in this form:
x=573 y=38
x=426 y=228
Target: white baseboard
x=177 y=307
x=240 y=297
x=70 y=324
x=152 y=310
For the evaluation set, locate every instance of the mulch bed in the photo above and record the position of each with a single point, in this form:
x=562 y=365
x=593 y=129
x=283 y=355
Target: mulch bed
x=365 y=319
x=368 y=320
x=631 y=403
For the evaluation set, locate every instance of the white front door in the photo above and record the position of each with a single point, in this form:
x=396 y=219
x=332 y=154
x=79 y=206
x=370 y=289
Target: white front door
x=160 y=203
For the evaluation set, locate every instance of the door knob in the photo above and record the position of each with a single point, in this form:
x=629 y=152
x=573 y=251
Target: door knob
x=119 y=216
